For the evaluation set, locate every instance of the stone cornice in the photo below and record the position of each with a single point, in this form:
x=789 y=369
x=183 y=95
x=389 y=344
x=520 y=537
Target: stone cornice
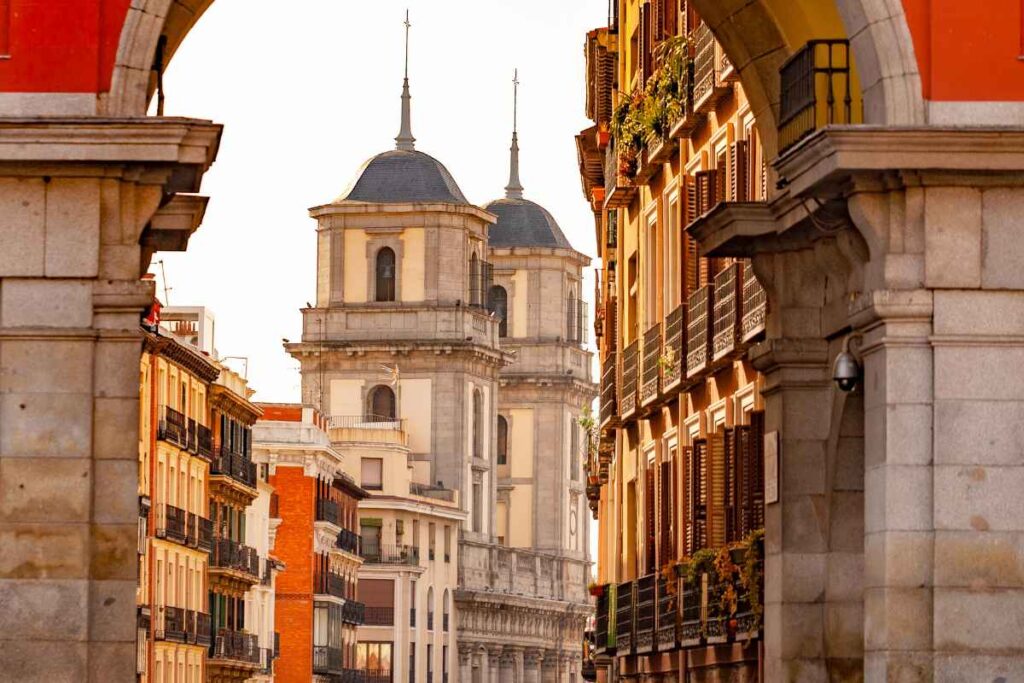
x=512 y=253
x=400 y=208
x=223 y=398
x=193 y=361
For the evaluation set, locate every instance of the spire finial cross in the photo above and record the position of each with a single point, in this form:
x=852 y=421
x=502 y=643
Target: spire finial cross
x=405 y=141
x=515 y=101
x=407 y=25
x=514 y=189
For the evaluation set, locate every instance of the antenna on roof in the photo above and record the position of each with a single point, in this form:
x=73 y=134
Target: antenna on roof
x=405 y=141
x=163 y=279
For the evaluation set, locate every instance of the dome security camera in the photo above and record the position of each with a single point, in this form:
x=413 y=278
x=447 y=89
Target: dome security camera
x=846 y=369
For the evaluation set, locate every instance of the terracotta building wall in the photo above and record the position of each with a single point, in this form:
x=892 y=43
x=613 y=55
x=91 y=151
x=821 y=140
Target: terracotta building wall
x=294 y=547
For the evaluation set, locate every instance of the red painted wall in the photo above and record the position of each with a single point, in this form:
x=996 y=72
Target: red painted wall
x=60 y=45
x=968 y=50
x=293 y=610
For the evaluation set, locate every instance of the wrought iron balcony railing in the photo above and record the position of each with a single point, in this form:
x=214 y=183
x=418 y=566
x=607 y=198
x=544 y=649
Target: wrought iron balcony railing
x=348 y=541
x=169 y=623
x=609 y=400
x=374 y=553
x=204 y=442
x=171 y=427
x=231 y=555
x=646 y=607
x=650 y=386
x=355 y=613
x=628 y=397
x=624 y=618
x=380 y=616
x=231 y=463
x=674 y=353
x=669 y=595
x=815 y=91
x=327 y=661
x=728 y=296
x=619 y=188
x=173 y=524
x=755 y=305
x=698 y=332
x=708 y=86
x=328 y=511
x=329 y=583
x=236 y=646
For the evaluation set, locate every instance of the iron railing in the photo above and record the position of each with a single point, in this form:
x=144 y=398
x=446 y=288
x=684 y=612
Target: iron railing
x=327 y=660
x=366 y=421
x=755 y=305
x=619 y=188
x=651 y=373
x=348 y=541
x=355 y=612
x=727 y=313
x=173 y=525
x=232 y=555
x=169 y=623
x=708 y=86
x=624 y=618
x=815 y=90
x=328 y=510
x=630 y=361
x=646 y=607
x=698 y=331
x=380 y=616
x=675 y=348
x=668 y=612
x=390 y=554
x=171 y=427
x=228 y=462
x=329 y=583
x=609 y=402
x=204 y=442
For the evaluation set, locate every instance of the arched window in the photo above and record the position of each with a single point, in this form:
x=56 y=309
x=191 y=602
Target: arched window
x=478 y=424
x=430 y=608
x=502 y=440
x=385 y=271
x=444 y=614
x=381 y=404
x=497 y=303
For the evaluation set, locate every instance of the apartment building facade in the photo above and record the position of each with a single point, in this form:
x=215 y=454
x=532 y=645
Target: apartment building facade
x=675 y=473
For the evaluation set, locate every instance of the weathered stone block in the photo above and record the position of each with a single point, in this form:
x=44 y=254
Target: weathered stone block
x=72 y=227
x=22 y=227
x=898 y=498
x=844 y=630
x=899 y=667
x=975 y=560
x=115 y=499
x=37 y=661
x=44 y=551
x=898 y=434
x=45 y=490
x=1003 y=251
x=979 y=372
x=64 y=368
x=977 y=312
x=803 y=467
x=112 y=611
x=46 y=425
x=979 y=621
x=795 y=577
x=116 y=429
x=979 y=498
x=43 y=609
x=117 y=369
x=804 y=524
x=45 y=303
x=802 y=626
x=898 y=558
x=845 y=582
x=897 y=618
x=114 y=552
x=957 y=667
x=979 y=432
x=952 y=237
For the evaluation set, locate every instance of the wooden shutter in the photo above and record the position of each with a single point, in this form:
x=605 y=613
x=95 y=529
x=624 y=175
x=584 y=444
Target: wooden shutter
x=721 y=182
x=756 y=468
x=649 y=521
x=738 y=171
x=696 y=497
x=665 y=510
x=733 y=493
x=716 y=485
x=644 y=44
x=671 y=18
x=657 y=21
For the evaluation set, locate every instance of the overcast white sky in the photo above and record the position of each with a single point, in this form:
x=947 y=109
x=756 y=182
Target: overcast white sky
x=308 y=94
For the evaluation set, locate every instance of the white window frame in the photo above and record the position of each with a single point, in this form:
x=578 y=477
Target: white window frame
x=671 y=264
x=650 y=265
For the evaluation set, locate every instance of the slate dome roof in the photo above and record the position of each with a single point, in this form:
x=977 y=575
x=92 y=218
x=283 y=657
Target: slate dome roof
x=522 y=223
x=398 y=176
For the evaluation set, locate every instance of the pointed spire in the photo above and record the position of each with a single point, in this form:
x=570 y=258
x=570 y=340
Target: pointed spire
x=405 y=141
x=514 y=189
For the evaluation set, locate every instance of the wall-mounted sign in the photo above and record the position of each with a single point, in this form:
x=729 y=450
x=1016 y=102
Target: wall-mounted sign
x=771 y=468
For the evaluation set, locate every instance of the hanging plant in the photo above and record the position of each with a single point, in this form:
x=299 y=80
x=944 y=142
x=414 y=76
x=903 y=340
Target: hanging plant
x=751 y=571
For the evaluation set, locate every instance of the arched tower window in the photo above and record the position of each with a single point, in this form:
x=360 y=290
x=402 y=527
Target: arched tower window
x=385 y=275
x=497 y=303
x=502 y=440
x=445 y=607
x=381 y=403
x=430 y=608
x=478 y=424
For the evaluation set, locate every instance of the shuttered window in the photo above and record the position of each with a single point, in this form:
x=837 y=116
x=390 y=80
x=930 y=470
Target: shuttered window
x=696 y=497
x=738 y=182
x=649 y=519
x=665 y=509
x=716 y=485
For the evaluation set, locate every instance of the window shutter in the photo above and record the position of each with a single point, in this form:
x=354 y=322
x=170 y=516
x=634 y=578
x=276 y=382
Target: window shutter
x=692 y=194
x=738 y=171
x=649 y=504
x=733 y=492
x=671 y=17
x=645 y=43
x=696 y=497
x=756 y=466
x=716 y=485
x=665 y=509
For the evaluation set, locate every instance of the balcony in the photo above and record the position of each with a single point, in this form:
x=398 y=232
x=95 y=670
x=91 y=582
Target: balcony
x=199 y=628
x=708 y=86
x=624 y=623
x=329 y=583
x=173 y=524
x=380 y=616
x=619 y=188
x=376 y=676
x=435 y=492
x=375 y=429
x=390 y=554
x=171 y=427
x=698 y=332
x=348 y=541
x=650 y=385
x=193 y=436
x=728 y=295
x=630 y=361
x=356 y=613
x=169 y=624
x=204 y=442
x=609 y=404
x=327 y=661
x=646 y=606
x=666 y=638
x=232 y=556
x=604 y=631
x=755 y=306
x=236 y=647
x=328 y=510
x=815 y=91
x=238 y=467
x=675 y=349
x=200 y=532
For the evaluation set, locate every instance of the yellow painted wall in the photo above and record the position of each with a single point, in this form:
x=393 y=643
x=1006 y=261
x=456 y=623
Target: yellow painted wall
x=416 y=409
x=521 y=516
x=323 y=266
x=355 y=266
x=413 y=264
x=520 y=303
x=501 y=521
x=346 y=397
x=521 y=442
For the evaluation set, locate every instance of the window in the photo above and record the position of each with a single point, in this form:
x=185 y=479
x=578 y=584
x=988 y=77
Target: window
x=477 y=506
x=430 y=663
x=412 y=604
x=374 y=658
x=369 y=530
x=650 y=270
x=385 y=275
x=447 y=543
x=430 y=608
x=431 y=529
x=673 y=259
x=497 y=303
x=445 y=607
x=373 y=474
x=412 y=663
x=444 y=664
x=382 y=404
x=478 y=424
x=416 y=536
x=502 y=440
x=574 y=449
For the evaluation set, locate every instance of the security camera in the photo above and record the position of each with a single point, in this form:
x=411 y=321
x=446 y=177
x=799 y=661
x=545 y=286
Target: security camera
x=846 y=369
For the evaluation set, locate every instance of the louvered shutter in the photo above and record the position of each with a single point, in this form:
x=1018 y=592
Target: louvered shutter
x=738 y=171
x=671 y=18
x=696 y=497
x=657 y=21
x=649 y=521
x=665 y=510
x=756 y=465
x=733 y=521
x=691 y=192
x=644 y=43
x=716 y=485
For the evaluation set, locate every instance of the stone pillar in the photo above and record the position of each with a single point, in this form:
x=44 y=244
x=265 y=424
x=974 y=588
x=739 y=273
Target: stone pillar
x=507 y=666
x=493 y=658
x=465 y=662
x=549 y=666
x=532 y=665
x=77 y=205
